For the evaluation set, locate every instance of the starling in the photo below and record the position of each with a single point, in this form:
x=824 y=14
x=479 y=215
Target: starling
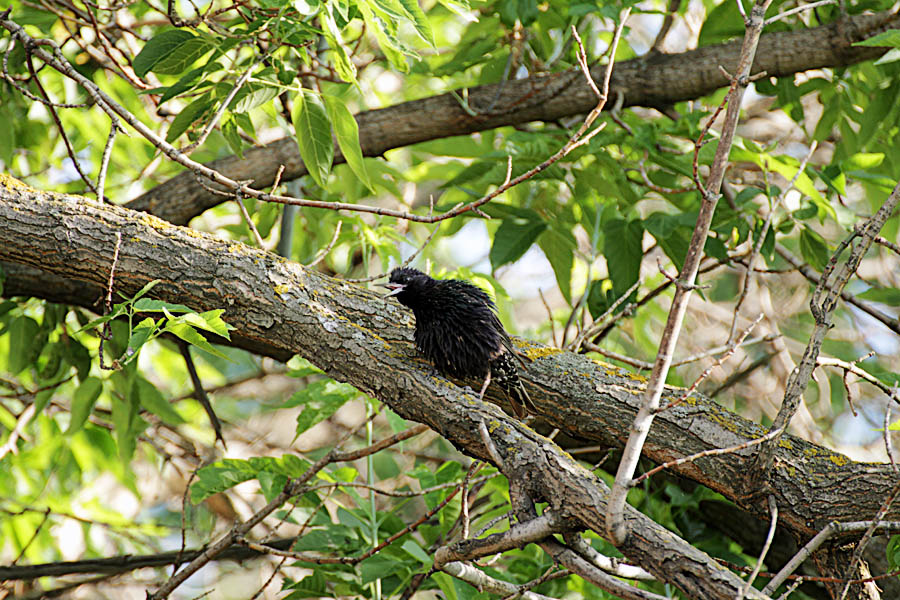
x=458 y=330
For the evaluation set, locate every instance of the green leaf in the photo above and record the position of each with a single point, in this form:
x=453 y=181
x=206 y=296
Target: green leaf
x=313 y=131
x=340 y=59
x=863 y=160
x=170 y=52
x=814 y=249
x=320 y=400
x=885 y=39
x=271 y=484
x=7 y=137
x=149 y=305
x=253 y=94
x=468 y=55
x=393 y=49
x=673 y=237
x=559 y=248
x=889 y=296
x=53 y=361
x=83 y=403
x=379 y=566
x=188 y=116
x=184 y=331
x=231 y=135
x=416 y=551
x=78 y=356
x=513 y=238
x=187 y=82
x=624 y=252
x=126 y=423
x=210 y=321
x=423 y=27
x=139 y=336
x=219 y=477
x=300 y=367
x=893 y=552
x=153 y=401
x=25 y=343
x=311 y=586
x=347 y=132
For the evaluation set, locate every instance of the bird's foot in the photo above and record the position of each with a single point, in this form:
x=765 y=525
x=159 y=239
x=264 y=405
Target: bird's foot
x=468 y=389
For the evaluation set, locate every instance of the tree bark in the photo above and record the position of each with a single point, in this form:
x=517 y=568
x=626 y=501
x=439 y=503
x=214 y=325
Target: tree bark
x=280 y=308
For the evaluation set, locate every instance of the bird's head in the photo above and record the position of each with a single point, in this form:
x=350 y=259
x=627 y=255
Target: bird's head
x=406 y=284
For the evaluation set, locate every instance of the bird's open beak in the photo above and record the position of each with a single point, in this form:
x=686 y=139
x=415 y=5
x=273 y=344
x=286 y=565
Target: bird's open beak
x=395 y=288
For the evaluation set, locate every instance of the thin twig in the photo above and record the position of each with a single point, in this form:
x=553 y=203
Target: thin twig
x=730 y=349
x=812 y=545
x=321 y=254
x=114 y=128
x=105 y=331
x=223 y=107
x=824 y=301
x=886 y=431
x=240 y=202
x=799 y=9
x=705 y=453
x=549 y=316
x=761 y=238
x=867 y=537
x=489 y=445
x=773 y=521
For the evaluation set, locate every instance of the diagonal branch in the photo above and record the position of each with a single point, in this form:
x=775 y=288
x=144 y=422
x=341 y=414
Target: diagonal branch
x=280 y=309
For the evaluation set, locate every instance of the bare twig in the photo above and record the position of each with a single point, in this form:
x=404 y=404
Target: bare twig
x=550 y=318
x=489 y=445
x=773 y=521
x=887 y=244
x=114 y=128
x=886 y=432
x=321 y=254
x=611 y=565
x=761 y=238
x=729 y=350
x=17 y=431
x=200 y=392
x=616 y=528
x=249 y=221
x=833 y=528
x=798 y=9
x=867 y=537
x=223 y=107
x=105 y=332
x=851 y=367
x=890 y=322
x=712 y=452
x=482 y=581
x=823 y=302
x=668 y=20
x=600 y=322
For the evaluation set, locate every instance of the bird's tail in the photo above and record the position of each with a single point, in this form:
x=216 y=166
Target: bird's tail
x=521 y=402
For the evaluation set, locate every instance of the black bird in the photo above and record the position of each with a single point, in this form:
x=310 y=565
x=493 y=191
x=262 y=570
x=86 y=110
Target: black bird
x=457 y=329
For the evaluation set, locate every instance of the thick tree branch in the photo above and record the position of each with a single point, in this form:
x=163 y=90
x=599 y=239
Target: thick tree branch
x=655 y=80
x=274 y=303
x=280 y=308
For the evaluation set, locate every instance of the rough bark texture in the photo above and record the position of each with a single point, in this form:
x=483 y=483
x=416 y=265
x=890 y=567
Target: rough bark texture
x=654 y=80
x=279 y=308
